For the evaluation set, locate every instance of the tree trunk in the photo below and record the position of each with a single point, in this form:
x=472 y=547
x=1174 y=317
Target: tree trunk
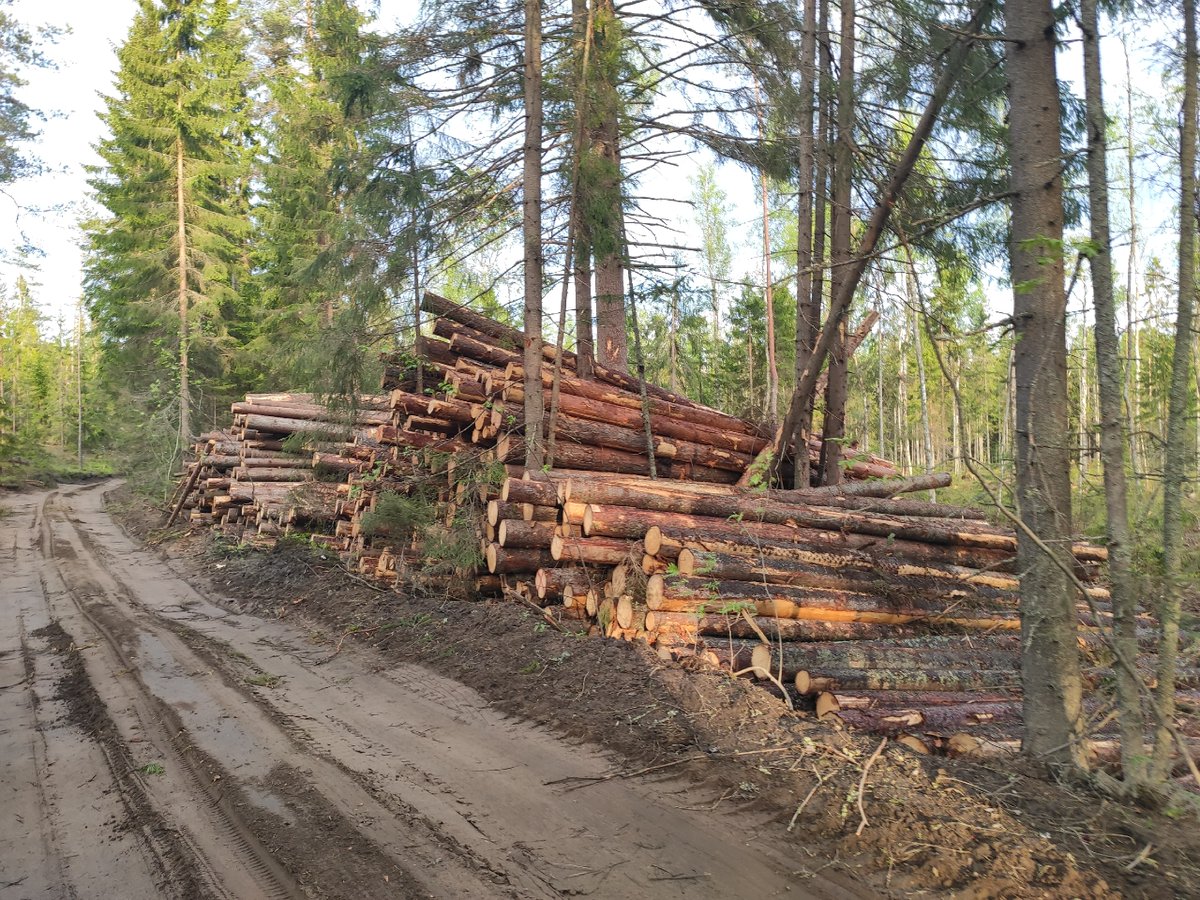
x=532 y=227
x=807 y=322
x=79 y=383
x=768 y=288
x=1112 y=435
x=873 y=230
x=185 y=394
x=613 y=350
x=582 y=263
x=833 y=428
x=919 y=346
x=1176 y=464
x=1131 y=350
x=1049 y=664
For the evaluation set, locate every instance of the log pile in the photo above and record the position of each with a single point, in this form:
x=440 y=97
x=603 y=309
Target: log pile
x=894 y=614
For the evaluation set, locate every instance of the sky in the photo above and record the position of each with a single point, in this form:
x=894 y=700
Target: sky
x=46 y=210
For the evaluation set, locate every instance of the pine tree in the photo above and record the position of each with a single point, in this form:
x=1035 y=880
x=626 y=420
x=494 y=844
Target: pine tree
x=161 y=273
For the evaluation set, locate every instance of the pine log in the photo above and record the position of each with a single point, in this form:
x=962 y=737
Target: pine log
x=540 y=493
x=882 y=506
x=831 y=591
x=241 y=473
x=765 y=540
x=498 y=511
x=532 y=512
x=332 y=462
x=503 y=561
x=921 y=699
x=519 y=533
x=662 y=426
x=552 y=582
x=436 y=351
x=830 y=570
x=907 y=679
x=606 y=393
x=314 y=412
x=691 y=627
x=285 y=425
x=596 y=551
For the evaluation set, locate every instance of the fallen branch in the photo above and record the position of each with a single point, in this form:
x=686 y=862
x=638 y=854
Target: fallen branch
x=862 y=786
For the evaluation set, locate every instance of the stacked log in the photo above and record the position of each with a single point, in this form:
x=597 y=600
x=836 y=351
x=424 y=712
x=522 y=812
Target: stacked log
x=897 y=615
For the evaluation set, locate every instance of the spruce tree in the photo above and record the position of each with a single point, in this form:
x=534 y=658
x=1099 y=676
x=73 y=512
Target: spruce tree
x=161 y=267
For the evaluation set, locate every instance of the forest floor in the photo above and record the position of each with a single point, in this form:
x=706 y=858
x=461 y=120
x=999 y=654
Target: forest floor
x=182 y=718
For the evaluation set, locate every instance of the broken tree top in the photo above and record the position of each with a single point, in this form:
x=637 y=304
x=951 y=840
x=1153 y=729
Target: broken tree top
x=899 y=615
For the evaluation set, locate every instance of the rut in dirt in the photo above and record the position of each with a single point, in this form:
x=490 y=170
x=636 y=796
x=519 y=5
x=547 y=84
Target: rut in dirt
x=258 y=772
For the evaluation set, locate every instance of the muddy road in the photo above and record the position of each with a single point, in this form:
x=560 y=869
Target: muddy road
x=155 y=744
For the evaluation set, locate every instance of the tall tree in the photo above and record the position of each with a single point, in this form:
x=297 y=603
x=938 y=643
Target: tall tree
x=601 y=189
x=808 y=318
x=1176 y=462
x=170 y=181
x=532 y=231
x=1112 y=431
x=1052 y=689
x=834 y=423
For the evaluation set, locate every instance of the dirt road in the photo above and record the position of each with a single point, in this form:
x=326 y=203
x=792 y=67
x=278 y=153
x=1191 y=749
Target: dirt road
x=155 y=744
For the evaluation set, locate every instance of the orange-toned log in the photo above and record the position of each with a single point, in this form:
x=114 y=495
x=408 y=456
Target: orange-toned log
x=504 y=561
x=692 y=627
x=884 y=576
x=596 y=551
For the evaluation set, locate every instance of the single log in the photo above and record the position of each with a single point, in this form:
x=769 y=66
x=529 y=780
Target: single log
x=882 y=506
x=332 y=462
x=753 y=544
x=909 y=679
x=271 y=474
x=519 y=533
x=436 y=351
x=607 y=393
x=532 y=512
x=921 y=699
x=596 y=551
x=540 y=493
x=691 y=627
x=828 y=570
x=830 y=592
x=504 y=561
x=408 y=403
x=661 y=426
x=498 y=511
x=282 y=425
x=429 y=423
x=555 y=582
x=771 y=512
x=457 y=411
x=314 y=412
x=463 y=345
x=575 y=455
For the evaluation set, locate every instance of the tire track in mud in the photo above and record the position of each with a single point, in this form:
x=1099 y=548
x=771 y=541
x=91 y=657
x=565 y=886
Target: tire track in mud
x=171 y=737
x=326 y=834
x=446 y=794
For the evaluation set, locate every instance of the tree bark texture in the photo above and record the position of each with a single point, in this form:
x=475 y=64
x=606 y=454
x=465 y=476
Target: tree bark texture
x=1049 y=664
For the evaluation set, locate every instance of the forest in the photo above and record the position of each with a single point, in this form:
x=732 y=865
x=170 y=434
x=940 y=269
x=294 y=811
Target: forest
x=727 y=199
